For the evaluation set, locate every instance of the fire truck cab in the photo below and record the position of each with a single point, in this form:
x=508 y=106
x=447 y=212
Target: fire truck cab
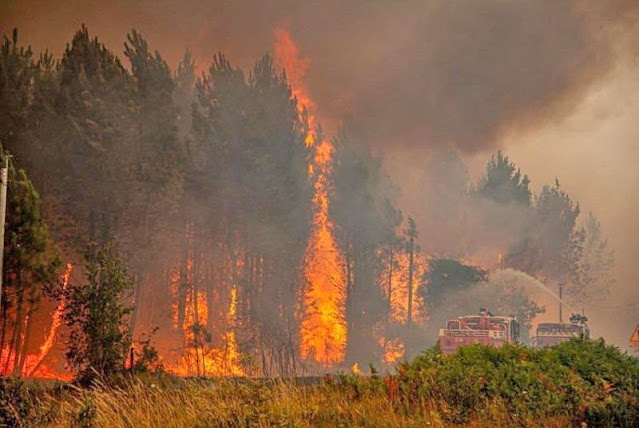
x=554 y=333
x=485 y=328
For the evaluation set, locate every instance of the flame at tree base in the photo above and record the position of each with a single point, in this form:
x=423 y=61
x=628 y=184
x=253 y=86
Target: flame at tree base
x=323 y=327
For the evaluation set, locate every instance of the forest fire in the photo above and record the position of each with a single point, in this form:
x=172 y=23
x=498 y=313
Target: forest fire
x=204 y=352
x=398 y=287
x=38 y=370
x=249 y=241
x=323 y=328
x=395 y=283
x=34 y=364
x=227 y=213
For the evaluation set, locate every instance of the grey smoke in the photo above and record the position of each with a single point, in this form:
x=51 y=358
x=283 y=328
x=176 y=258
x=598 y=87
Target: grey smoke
x=411 y=73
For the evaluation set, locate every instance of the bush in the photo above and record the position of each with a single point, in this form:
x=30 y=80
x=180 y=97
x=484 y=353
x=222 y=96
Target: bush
x=581 y=381
x=14 y=404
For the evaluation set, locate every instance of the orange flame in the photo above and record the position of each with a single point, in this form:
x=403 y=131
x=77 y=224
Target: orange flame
x=287 y=53
x=208 y=353
x=55 y=324
x=323 y=327
x=34 y=363
x=393 y=350
x=394 y=347
x=399 y=291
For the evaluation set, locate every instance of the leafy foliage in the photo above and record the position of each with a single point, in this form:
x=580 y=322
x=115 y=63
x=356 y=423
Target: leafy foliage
x=581 y=380
x=205 y=186
x=99 y=338
x=14 y=403
x=595 y=266
x=30 y=268
x=446 y=276
x=503 y=182
x=576 y=383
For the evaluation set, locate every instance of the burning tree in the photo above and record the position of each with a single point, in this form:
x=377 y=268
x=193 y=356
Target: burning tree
x=256 y=244
x=366 y=220
x=30 y=269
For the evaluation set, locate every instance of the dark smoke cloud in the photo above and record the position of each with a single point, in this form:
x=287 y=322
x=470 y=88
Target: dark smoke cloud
x=410 y=72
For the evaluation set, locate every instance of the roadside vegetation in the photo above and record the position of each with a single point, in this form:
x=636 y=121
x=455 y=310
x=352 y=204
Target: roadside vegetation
x=574 y=383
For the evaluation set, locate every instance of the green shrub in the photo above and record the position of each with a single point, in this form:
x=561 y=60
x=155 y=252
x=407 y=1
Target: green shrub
x=582 y=381
x=14 y=403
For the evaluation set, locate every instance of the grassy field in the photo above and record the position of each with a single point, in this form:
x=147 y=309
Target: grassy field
x=190 y=403
x=574 y=384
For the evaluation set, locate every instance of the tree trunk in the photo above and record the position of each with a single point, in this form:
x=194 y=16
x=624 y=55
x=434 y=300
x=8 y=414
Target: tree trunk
x=411 y=272
x=24 y=349
x=390 y=285
x=183 y=285
x=16 y=340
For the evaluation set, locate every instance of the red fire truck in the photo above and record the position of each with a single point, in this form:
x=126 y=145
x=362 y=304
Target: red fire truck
x=554 y=333
x=484 y=328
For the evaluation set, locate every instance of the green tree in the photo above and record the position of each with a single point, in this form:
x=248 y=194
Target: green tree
x=248 y=152
x=502 y=202
x=412 y=248
x=97 y=135
x=595 y=276
x=31 y=267
x=503 y=182
x=157 y=183
x=17 y=69
x=277 y=209
x=184 y=95
x=99 y=333
x=446 y=277
x=558 y=242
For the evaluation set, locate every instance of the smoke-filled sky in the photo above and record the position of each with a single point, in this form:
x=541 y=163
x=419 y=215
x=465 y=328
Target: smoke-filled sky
x=551 y=82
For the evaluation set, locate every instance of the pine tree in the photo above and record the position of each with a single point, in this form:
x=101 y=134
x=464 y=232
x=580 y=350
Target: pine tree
x=446 y=277
x=97 y=136
x=365 y=220
x=17 y=70
x=503 y=182
x=559 y=243
x=30 y=268
x=157 y=183
x=595 y=277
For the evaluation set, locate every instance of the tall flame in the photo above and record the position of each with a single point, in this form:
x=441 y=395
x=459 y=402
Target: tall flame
x=34 y=362
x=55 y=324
x=323 y=328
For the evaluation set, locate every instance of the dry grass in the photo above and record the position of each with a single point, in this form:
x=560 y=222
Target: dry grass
x=192 y=403
x=574 y=383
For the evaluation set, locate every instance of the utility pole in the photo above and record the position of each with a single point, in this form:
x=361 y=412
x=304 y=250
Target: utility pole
x=4 y=177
